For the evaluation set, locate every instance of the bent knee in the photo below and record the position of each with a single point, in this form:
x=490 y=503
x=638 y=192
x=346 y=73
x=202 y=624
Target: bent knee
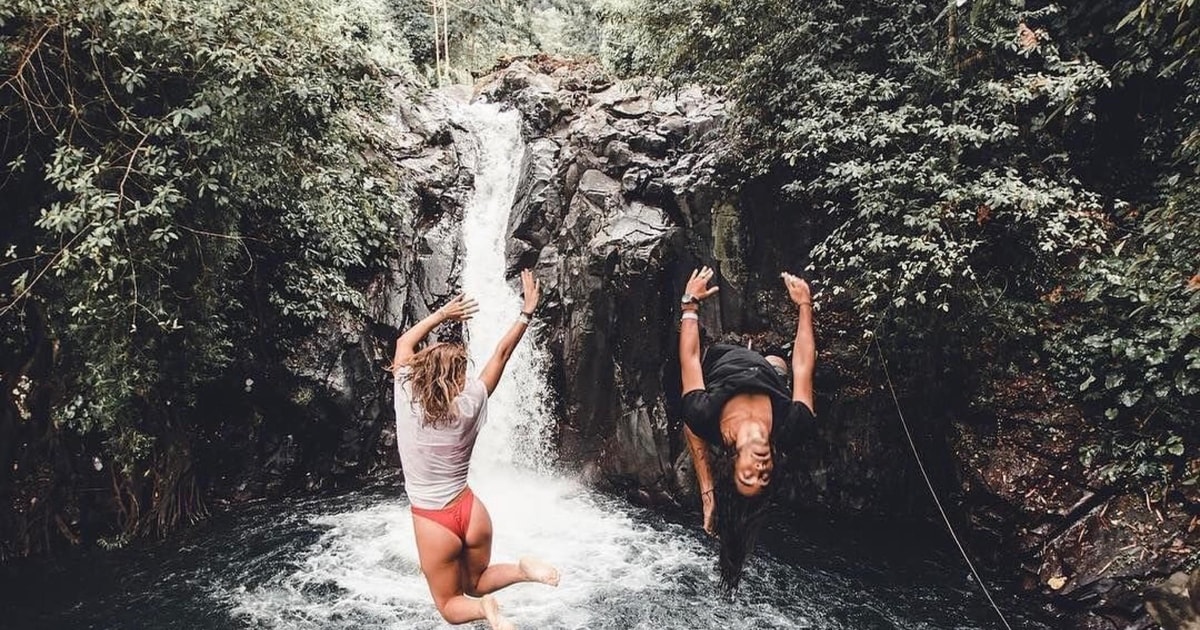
x=471 y=588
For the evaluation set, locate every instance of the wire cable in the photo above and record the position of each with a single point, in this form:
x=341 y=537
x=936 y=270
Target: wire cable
x=932 y=492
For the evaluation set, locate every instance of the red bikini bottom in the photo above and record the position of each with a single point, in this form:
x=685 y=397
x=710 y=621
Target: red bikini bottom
x=454 y=517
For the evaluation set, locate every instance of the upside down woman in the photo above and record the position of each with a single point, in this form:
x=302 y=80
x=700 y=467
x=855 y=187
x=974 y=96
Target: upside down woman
x=439 y=413
x=737 y=402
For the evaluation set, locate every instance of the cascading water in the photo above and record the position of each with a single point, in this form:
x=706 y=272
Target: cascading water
x=350 y=562
x=519 y=419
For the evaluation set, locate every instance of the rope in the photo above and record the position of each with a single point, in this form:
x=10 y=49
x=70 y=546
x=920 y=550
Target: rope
x=933 y=493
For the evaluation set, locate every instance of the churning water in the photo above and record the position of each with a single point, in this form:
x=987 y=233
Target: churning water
x=350 y=561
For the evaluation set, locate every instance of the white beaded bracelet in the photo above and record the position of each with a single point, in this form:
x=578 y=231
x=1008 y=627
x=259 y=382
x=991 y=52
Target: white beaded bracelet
x=689 y=315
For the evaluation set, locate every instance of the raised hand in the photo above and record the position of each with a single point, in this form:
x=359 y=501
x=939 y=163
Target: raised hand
x=797 y=289
x=531 y=288
x=697 y=285
x=460 y=309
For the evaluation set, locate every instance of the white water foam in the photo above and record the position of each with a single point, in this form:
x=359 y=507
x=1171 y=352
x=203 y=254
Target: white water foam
x=364 y=571
x=518 y=414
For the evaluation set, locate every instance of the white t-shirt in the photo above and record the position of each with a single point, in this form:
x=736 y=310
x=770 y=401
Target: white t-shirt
x=435 y=460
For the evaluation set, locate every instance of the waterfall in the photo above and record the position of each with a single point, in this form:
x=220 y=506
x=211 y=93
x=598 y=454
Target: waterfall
x=520 y=422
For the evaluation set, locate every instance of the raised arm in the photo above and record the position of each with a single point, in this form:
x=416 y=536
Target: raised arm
x=531 y=288
x=696 y=290
x=692 y=377
x=804 y=350
x=460 y=309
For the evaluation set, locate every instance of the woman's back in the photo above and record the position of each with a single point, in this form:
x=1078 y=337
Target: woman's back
x=435 y=459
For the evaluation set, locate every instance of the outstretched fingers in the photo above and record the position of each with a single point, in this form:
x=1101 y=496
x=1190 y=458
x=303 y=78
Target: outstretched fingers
x=707 y=273
x=531 y=287
x=461 y=308
x=697 y=284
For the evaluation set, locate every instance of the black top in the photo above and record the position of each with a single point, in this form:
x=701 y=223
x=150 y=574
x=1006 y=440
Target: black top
x=730 y=370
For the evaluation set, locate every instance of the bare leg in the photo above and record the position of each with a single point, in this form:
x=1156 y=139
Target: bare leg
x=440 y=554
x=479 y=577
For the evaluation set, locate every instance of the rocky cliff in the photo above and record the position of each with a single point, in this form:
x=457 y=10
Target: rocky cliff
x=623 y=194
x=336 y=380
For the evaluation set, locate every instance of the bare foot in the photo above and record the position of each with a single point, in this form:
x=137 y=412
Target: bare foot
x=537 y=571
x=491 y=610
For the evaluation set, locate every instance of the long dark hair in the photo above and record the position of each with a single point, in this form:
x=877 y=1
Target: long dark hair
x=738 y=518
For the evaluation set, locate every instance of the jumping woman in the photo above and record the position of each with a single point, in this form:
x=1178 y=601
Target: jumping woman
x=738 y=401
x=439 y=412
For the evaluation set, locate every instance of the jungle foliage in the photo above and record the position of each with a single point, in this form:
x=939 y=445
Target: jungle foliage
x=481 y=31
x=185 y=186
x=1017 y=180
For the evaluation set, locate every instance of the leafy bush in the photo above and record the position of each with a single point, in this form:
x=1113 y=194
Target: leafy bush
x=928 y=142
x=1137 y=351
x=187 y=184
x=988 y=176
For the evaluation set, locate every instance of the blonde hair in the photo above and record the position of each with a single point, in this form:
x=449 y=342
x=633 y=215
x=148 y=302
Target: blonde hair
x=437 y=375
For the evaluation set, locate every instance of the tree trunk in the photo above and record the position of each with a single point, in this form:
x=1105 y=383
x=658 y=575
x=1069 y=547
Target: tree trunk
x=437 y=55
x=446 y=35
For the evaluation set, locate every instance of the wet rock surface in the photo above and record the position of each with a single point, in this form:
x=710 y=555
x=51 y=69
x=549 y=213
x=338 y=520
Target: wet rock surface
x=620 y=198
x=327 y=412
x=611 y=172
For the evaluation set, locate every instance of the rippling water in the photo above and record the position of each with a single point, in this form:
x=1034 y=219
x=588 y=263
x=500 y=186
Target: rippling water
x=349 y=562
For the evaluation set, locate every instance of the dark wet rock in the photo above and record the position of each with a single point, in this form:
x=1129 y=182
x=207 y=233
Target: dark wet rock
x=599 y=189
x=632 y=107
x=537 y=206
x=536 y=94
x=650 y=143
x=1175 y=604
x=336 y=379
x=618 y=154
x=602 y=231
